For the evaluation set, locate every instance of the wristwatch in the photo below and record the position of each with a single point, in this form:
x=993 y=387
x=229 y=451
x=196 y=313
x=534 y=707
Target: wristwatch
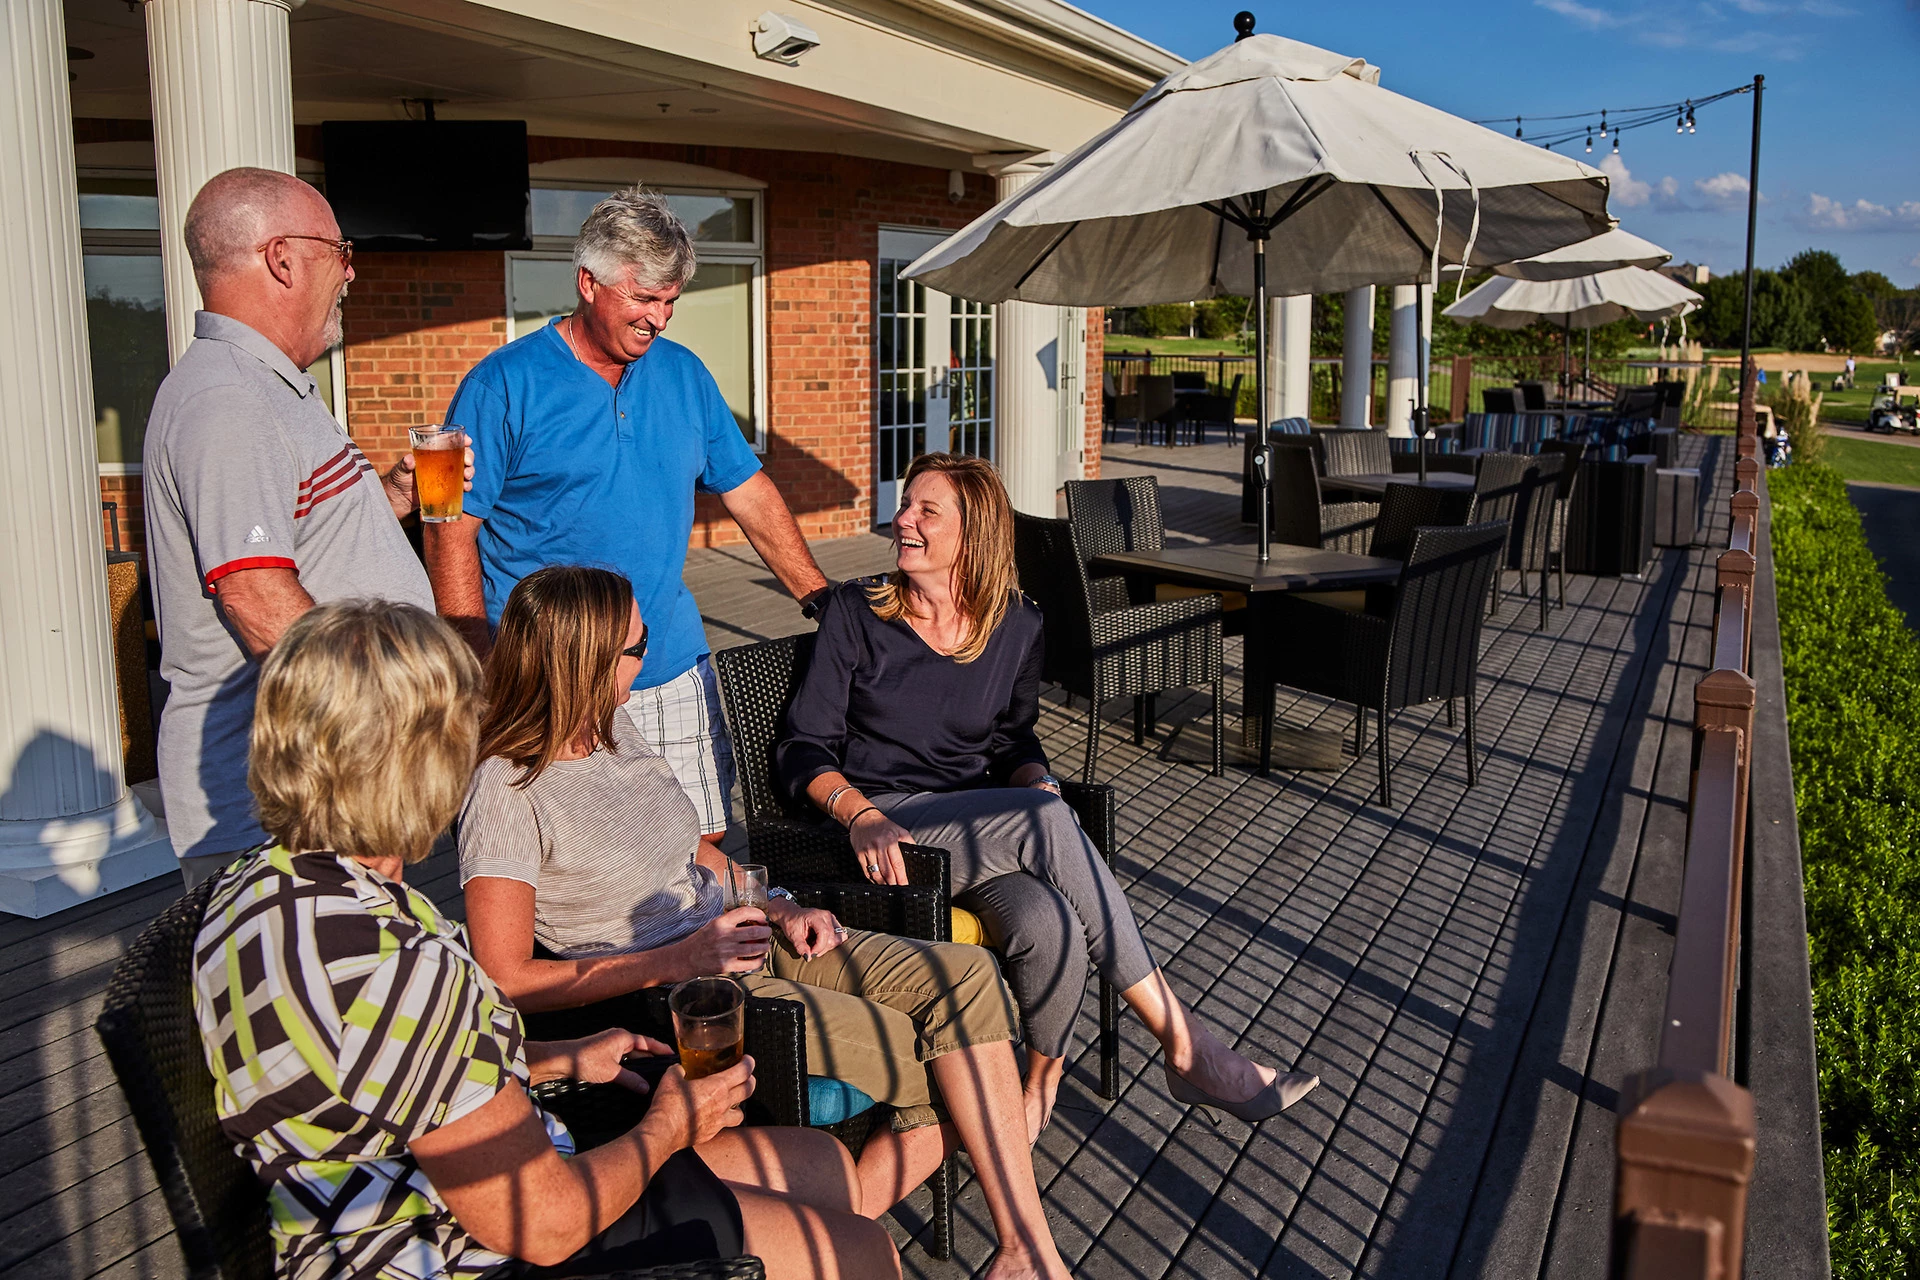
x=1046 y=780
x=778 y=892
x=810 y=607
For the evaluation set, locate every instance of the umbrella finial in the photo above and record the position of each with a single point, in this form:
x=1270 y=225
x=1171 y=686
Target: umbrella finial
x=1242 y=25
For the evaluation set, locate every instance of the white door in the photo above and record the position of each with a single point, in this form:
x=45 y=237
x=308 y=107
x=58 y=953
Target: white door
x=932 y=370
x=1070 y=380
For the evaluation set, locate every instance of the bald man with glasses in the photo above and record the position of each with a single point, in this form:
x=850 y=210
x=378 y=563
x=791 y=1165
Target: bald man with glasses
x=258 y=505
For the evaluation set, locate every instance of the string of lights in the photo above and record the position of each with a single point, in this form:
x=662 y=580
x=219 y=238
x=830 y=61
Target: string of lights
x=1608 y=124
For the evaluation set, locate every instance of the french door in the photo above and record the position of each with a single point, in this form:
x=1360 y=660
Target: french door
x=932 y=369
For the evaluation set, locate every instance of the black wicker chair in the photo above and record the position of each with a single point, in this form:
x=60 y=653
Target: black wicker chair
x=1301 y=517
x=1351 y=452
x=1573 y=452
x=1100 y=653
x=1425 y=649
x=1499 y=482
x=218 y=1205
x=1115 y=515
x=1530 y=549
x=757 y=682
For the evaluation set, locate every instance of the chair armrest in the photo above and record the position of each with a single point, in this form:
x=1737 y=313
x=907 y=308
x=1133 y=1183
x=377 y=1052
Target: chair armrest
x=742 y=1268
x=1096 y=805
x=804 y=852
x=1142 y=621
x=906 y=911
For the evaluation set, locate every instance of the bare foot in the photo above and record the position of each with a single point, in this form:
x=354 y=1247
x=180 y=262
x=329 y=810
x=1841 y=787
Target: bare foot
x=1011 y=1265
x=1042 y=1086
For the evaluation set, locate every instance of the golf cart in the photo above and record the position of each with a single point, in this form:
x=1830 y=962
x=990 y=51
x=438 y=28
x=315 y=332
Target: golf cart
x=1887 y=415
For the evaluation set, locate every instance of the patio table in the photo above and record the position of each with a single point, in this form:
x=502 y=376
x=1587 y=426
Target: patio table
x=1225 y=567
x=1377 y=482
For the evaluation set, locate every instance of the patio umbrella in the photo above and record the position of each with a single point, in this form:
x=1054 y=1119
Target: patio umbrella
x=1587 y=301
x=1269 y=165
x=1605 y=252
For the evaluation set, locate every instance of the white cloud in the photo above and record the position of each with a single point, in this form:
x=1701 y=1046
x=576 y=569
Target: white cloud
x=1823 y=214
x=1827 y=9
x=1722 y=189
x=1757 y=6
x=1580 y=13
x=1627 y=190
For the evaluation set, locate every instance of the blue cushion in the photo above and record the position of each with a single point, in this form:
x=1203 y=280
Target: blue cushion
x=1292 y=427
x=830 y=1101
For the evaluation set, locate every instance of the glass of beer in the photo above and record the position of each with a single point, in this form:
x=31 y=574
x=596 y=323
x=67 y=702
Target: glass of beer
x=439 y=470
x=710 y=1024
x=747 y=887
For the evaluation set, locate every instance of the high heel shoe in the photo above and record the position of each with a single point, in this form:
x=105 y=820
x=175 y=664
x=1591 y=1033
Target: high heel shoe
x=1283 y=1092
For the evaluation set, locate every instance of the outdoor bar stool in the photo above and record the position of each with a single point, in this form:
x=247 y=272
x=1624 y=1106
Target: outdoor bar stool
x=217 y=1203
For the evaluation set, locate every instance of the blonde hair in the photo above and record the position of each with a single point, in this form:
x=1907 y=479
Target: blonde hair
x=364 y=730
x=984 y=574
x=551 y=669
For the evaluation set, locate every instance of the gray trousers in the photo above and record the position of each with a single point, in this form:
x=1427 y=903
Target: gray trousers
x=1044 y=894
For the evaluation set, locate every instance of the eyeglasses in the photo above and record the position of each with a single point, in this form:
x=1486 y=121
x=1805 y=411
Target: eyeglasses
x=638 y=649
x=342 y=248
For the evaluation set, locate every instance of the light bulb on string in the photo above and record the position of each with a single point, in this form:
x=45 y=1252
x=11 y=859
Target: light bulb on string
x=1516 y=126
x=1689 y=115
x=1589 y=139
x=1603 y=126
x=1679 y=123
x=1616 y=142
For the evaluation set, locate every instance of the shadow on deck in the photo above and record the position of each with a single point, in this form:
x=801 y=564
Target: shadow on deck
x=1471 y=973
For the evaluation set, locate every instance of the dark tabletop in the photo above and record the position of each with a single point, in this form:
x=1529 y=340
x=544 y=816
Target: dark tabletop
x=1237 y=568
x=1378 y=482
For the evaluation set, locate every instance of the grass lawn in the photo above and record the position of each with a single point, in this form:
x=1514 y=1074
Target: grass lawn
x=1121 y=343
x=1868 y=460
x=1851 y=406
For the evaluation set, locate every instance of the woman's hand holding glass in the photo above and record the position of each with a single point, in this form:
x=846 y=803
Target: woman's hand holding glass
x=877 y=840
x=733 y=942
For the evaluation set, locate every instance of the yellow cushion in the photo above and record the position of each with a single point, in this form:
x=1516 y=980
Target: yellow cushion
x=1351 y=601
x=1229 y=600
x=966 y=928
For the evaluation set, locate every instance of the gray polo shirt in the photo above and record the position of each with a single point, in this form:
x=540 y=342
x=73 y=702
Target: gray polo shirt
x=246 y=469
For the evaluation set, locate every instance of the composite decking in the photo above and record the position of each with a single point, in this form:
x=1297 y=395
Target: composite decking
x=1472 y=973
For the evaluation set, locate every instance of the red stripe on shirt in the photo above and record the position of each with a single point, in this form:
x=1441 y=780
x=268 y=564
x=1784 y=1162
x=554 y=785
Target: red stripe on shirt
x=250 y=562
x=306 y=505
x=329 y=471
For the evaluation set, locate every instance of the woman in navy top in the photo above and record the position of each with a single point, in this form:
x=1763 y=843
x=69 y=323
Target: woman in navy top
x=914 y=724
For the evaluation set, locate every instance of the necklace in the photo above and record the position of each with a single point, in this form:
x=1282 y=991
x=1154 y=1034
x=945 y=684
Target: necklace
x=566 y=336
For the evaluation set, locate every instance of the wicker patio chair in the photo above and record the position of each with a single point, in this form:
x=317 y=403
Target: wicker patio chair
x=1499 y=400
x=1573 y=451
x=1301 y=517
x=1115 y=515
x=1352 y=453
x=218 y=1205
x=1425 y=649
x=1499 y=481
x=1530 y=549
x=1115 y=653
x=1533 y=396
x=757 y=682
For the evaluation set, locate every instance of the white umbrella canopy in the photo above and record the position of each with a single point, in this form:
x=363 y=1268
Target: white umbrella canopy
x=1582 y=303
x=1607 y=251
x=1350 y=178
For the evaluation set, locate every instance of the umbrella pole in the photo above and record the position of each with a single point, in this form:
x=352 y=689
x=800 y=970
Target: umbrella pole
x=1566 y=364
x=1263 y=448
x=1420 y=345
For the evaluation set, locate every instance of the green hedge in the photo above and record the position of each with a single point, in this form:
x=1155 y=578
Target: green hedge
x=1853 y=710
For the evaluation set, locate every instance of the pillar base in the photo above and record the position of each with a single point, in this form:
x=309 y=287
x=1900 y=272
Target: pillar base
x=52 y=865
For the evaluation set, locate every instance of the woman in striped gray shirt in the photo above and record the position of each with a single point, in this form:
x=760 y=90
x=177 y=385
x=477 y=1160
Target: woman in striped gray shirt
x=576 y=836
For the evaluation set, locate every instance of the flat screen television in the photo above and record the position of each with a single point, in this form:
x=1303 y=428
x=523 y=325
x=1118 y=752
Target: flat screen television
x=400 y=185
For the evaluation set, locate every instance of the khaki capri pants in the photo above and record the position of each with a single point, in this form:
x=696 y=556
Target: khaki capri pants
x=879 y=1008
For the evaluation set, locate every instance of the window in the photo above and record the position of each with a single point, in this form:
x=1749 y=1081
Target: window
x=127 y=317
x=718 y=316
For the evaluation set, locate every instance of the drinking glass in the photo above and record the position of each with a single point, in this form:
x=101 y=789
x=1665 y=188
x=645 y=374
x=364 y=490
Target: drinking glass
x=439 y=470
x=710 y=1024
x=747 y=887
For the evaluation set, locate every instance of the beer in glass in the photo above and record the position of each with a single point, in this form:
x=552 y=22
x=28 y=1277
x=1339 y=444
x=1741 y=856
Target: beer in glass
x=747 y=887
x=439 y=471
x=710 y=1024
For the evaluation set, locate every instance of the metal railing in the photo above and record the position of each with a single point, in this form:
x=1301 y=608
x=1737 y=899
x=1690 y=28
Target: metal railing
x=1686 y=1136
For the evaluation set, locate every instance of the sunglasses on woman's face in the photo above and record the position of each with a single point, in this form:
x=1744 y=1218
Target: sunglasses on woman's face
x=638 y=649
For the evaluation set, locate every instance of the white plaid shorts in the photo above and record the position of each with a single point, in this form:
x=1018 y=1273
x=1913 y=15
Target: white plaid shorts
x=681 y=720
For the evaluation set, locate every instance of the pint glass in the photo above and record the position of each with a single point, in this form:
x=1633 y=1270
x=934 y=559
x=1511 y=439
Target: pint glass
x=439 y=471
x=710 y=1024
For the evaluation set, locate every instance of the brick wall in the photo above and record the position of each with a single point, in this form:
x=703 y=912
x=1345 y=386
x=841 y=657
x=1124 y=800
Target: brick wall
x=1096 y=370
x=129 y=499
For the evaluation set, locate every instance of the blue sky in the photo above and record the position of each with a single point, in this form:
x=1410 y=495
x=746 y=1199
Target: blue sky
x=1839 y=164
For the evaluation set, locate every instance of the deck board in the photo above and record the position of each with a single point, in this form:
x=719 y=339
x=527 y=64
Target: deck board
x=1472 y=972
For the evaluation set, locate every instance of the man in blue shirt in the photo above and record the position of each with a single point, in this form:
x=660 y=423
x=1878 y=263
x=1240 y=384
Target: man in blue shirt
x=590 y=437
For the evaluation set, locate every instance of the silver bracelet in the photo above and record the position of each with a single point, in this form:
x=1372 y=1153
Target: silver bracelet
x=833 y=797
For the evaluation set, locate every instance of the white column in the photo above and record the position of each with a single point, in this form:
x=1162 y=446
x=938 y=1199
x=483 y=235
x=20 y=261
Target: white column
x=69 y=829
x=1356 y=374
x=1289 y=361
x=1025 y=406
x=1402 y=359
x=222 y=98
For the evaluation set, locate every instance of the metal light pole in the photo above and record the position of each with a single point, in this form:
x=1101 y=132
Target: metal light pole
x=1747 y=422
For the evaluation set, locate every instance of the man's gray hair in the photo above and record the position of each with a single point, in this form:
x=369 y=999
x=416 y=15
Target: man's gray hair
x=636 y=228
x=235 y=212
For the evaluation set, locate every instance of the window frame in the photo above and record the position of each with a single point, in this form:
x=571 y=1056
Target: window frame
x=750 y=254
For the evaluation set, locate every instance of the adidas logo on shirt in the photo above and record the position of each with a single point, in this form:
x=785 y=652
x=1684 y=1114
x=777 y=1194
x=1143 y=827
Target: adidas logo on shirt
x=258 y=535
